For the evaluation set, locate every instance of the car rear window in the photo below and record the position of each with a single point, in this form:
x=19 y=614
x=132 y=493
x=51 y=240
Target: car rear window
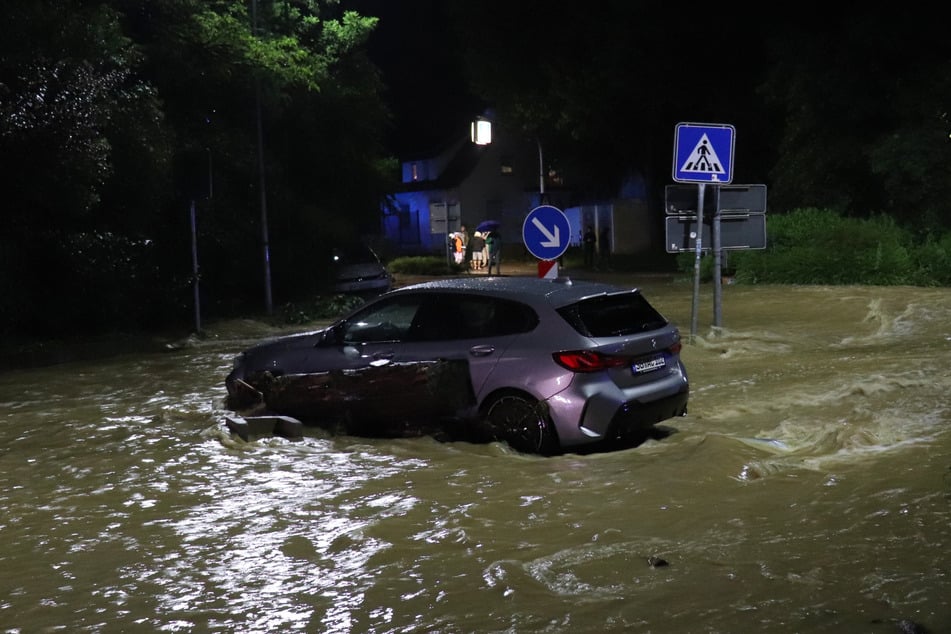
x=491 y=317
x=354 y=254
x=613 y=315
x=461 y=316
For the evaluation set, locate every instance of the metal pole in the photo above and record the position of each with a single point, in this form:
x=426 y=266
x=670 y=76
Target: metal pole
x=717 y=268
x=211 y=180
x=541 y=174
x=195 y=270
x=265 y=241
x=450 y=247
x=698 y=251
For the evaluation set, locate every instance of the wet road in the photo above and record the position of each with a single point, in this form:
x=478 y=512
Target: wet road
x=808 y=490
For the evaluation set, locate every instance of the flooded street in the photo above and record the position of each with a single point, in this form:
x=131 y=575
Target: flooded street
x=808 y=490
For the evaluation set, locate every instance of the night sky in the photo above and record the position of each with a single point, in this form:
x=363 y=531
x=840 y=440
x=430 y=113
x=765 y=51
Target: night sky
x=427 y=89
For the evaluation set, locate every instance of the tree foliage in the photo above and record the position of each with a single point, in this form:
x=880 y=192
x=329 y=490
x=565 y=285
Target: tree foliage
x=604 y=88
x=118 y=116
x=841 y=106
x=864 y=96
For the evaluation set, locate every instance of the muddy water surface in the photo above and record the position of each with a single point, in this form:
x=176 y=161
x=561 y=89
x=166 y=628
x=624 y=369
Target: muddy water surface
x=808 y=490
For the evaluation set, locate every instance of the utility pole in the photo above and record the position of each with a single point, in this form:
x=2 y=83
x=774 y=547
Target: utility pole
x=195 y=275
x=265 y=241
x=541 y=174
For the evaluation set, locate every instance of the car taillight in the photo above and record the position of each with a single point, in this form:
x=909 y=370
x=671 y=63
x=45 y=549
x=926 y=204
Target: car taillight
x=593 y=361
x=588 y=361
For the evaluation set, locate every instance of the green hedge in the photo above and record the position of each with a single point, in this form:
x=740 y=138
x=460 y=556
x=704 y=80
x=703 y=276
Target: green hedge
x=423 y=265
x=820 y=246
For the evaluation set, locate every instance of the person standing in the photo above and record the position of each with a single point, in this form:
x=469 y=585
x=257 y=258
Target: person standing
x=467 y=255
x=588 y=242
x=604 y=249
x=476 y=252
x=493 y=245
x=458 y=251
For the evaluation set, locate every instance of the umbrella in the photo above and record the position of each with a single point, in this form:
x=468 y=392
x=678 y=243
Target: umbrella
x=488 y=225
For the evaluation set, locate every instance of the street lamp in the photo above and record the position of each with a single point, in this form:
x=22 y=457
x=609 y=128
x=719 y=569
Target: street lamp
x=481 y=131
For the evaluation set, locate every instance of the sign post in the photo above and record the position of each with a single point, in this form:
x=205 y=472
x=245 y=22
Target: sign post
x=737 y=221
x=732 y=200
x=546 y=233
x=697 y=255
x=703 y=153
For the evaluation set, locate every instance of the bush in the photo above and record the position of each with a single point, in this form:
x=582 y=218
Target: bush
x=820 y=246
x=933 y=261
x=329 y=307
x=423 y=265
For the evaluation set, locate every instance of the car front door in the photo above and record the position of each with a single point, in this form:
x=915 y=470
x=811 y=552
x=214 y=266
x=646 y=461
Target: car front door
x=472 y=330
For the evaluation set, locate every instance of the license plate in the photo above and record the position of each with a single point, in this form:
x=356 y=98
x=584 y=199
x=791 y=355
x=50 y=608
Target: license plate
x=650 y=365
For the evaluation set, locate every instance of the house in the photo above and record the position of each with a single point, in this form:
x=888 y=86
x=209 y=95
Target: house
x=503 y=180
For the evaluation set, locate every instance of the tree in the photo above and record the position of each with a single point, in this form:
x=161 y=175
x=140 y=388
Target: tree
x=114 y=114
x=68 y=100
x=841 y=106
x=864 y=95
x=605 y=87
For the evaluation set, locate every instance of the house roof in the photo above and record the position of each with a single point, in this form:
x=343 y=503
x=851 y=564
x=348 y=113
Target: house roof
x=463 y=161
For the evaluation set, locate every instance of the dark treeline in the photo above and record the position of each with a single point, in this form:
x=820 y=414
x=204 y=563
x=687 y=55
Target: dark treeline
x=841 y=105
x=116 y=115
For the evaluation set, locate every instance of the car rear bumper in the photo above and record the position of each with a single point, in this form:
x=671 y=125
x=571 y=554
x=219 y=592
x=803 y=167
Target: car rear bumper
x=598 y=412
x=633 y=418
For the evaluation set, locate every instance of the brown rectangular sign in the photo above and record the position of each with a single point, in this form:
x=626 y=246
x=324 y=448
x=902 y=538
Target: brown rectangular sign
x=682 y=199
x=737 y=231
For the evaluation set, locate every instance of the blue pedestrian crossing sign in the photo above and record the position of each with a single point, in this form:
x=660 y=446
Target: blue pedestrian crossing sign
x=703 y=153
x=546 y=232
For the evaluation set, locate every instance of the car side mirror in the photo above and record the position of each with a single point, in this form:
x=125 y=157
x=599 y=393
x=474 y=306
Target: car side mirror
x=332 y=336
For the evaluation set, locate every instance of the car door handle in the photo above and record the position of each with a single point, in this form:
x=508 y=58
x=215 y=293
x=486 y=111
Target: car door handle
x=481 y=351
x=382 y=358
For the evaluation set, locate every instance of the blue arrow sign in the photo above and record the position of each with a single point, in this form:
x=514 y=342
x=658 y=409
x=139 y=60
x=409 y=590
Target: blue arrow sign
x=703 y=153
x=546 y=232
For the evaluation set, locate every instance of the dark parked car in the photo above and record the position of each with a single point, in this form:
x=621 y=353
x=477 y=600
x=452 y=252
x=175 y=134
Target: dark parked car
x=545 y=365
x=358 y=269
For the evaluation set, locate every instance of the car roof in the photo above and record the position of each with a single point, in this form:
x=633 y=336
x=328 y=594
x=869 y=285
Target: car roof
x=557 y=292
x=357 y=251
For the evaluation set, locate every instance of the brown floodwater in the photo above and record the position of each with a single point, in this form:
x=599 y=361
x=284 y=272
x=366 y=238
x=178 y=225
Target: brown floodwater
x=808 y=490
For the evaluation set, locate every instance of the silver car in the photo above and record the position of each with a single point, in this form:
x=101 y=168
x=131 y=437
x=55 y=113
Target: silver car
x=545 y=365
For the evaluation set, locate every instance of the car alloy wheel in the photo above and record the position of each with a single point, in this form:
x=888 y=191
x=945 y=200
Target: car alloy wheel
x=523 y=423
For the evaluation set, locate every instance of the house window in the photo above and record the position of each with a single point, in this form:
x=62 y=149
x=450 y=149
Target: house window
x=505 y=165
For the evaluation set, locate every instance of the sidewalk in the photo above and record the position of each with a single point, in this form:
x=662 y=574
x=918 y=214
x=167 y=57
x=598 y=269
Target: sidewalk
x=529 y=268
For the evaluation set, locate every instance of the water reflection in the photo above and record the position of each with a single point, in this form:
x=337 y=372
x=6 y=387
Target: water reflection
x=808 y=490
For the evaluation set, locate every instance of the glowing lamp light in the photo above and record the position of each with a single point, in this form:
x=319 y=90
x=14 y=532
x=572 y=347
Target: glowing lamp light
x=481 y=132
